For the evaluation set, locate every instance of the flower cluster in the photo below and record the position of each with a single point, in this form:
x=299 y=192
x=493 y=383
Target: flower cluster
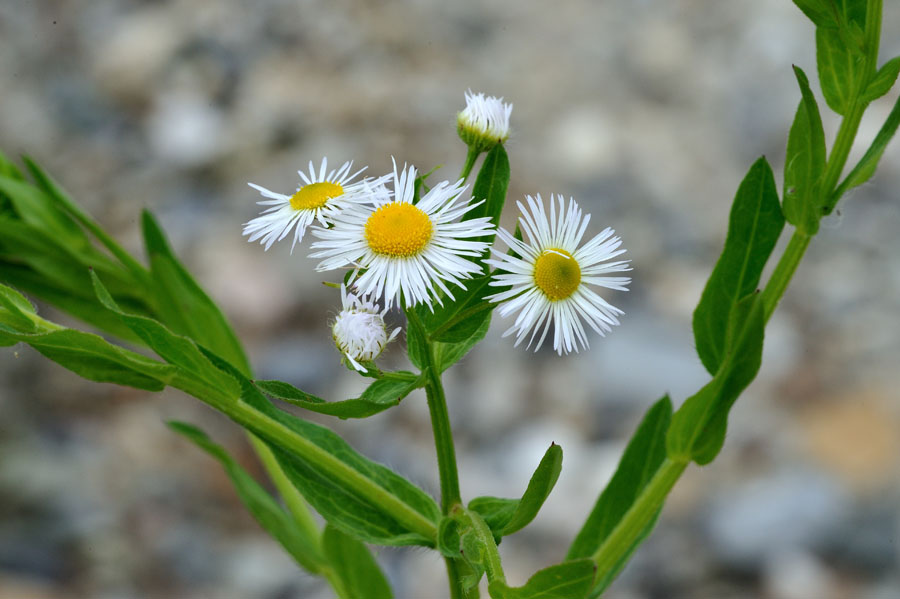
x=406 y=244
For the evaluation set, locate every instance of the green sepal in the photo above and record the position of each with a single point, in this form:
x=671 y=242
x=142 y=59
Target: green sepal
x=755 y=223
x=262 y=506
x=354 y=565
x=642 y=458
x=568 y=580
x=506 y=516
x=382 y=394
x=804 y=163
x=698 y=428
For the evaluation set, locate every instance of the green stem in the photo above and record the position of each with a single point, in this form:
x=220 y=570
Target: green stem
x=261 y=423
x=783 y=272
x=443 y=440
x=471 y=157
x=638 y=516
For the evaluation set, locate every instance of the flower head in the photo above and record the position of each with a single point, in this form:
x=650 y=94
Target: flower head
x=548 y=277
x=484 y=122
x=321 y=197
x=359 y=331
x=404 y=249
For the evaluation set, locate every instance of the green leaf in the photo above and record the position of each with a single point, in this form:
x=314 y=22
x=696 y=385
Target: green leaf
x=840 y=64
x=379 y=396
x=38 y=209
x=698 y=428
x=340 y=504
x=270 y=515
x=448 y=354
x=174 y=349
x=185 y=306
x=754 y=226
x=456 y=321
x=8 y=169
x=819 y=12
x=448 y=540
x=883 y=81
x=804 y=162
x=642 y=457
x=15 y=310
x=95 y=359
x=867 y=165
x=568 y=580
x=505 y=516
x=355 y=566
x=491 y=186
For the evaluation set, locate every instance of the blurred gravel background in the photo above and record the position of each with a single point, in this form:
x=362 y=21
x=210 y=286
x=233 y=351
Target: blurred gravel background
x=648 y=112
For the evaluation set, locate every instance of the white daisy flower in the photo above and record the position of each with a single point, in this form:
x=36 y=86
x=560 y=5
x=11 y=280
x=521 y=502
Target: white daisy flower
x=548 y=276
x=359 y=331
x=406 y=249
x=321 y=197
x=484 y=122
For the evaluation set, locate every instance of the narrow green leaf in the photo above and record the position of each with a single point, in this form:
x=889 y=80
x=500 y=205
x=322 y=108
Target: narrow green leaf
x=187 y=309
x=39 y=210
x=354 y=565
x=883 y=81
x=379 y=396
x=804 y=162
x=867 y=165
x=270 y=515
x=8 y=169
x=568 y=580
x=339 y=503
x=819 y=12
x=95 y=359
x=698 y=428
x=491 y=186
x=448 y=354
x=174 y=349
x=839 y=62
x=754 y=226
x=15 y=310
x=506 y=516
x=642 y=457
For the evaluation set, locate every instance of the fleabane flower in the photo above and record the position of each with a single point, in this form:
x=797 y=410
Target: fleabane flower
x=359 y=331
x=549 y=275
x=321 y=197
x=403 y=249
x=484 y=122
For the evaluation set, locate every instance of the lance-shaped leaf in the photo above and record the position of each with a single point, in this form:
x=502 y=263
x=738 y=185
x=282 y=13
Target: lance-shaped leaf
x=379 y=396
x=457 y=321
x=820 y=12
x=185 y=306
x=568 y=580
x=883 y=81
x=87 y=355
x=38 y=209
x=754 y=226
x=354 y=565
x=804 y=163
x=491 y=186
x=840 y=64
x=698 y=428
x=174 y=349
x=358 y=496
x=506 y=516
x=642 y=457
x=259 y=503
x=867 y=165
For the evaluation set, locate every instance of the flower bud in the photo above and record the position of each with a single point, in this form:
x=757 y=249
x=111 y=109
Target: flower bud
x=484 y=122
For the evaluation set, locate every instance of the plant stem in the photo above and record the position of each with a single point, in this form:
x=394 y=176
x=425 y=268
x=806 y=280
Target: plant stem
x=783 y=272
x=638 y=516
x=471 y=157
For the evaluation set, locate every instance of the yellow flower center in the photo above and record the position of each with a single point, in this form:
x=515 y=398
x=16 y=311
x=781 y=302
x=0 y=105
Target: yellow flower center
x=315 y=195
x=557 y=274
x=398 y=229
